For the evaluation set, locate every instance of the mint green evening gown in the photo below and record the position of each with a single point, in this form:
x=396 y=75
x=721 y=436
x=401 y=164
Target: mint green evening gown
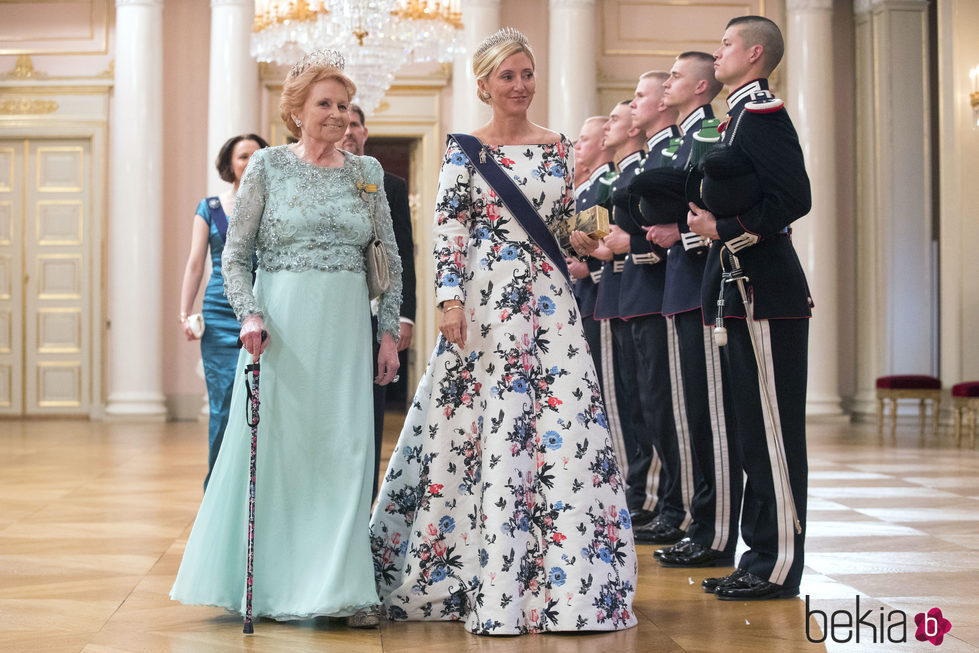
x=309 y=226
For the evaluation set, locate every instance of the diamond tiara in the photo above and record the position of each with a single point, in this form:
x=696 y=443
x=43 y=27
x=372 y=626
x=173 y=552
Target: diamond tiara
x=319 y=58
x=505 y=35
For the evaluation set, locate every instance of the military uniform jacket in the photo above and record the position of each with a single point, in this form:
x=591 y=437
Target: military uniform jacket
x=687 y=256
x=759 y=126
x=643 y=280
x=607 y=305
x=592 y=192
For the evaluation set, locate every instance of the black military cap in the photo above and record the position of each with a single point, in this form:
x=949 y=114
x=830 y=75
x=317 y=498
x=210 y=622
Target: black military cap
x=693 y=186
x=661 y=195
x=730 y=185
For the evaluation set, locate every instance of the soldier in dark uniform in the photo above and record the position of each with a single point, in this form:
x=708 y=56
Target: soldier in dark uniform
x=766 y=355
x=653 y=490
x=594 y=170
x=640 y=303
x=694 y=362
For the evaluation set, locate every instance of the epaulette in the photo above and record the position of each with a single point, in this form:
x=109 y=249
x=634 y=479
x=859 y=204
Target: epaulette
x=671 y=149
x=708 y=131
x=609 y=177
x=763 y=102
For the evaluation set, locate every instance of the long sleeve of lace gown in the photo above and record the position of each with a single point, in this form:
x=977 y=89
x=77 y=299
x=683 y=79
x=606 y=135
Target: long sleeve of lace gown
x=239 y=246
x=389 y=308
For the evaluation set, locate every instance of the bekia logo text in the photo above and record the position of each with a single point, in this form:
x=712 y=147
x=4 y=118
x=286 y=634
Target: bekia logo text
x=877 y=627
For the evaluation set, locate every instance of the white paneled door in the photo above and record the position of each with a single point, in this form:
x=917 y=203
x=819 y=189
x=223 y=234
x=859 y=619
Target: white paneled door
x=46 y=293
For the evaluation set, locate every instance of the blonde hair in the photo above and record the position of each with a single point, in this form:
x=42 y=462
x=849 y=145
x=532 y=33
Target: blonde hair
x=494 y=50
x=295 y=90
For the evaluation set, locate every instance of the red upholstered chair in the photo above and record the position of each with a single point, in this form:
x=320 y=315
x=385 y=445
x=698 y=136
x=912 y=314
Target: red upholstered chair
x=965 y=403
x=908 y=386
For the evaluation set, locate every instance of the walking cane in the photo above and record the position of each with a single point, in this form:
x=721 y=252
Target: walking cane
x=252 y=419
x=737 y=276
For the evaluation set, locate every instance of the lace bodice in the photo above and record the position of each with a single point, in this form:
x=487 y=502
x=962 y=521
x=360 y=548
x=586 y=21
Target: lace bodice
x=298 y=216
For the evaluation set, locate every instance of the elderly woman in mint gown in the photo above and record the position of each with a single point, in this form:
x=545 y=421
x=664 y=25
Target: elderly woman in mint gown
x=301 y=208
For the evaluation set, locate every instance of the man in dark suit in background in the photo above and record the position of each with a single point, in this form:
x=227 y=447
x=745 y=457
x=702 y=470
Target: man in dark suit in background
x=397 y=195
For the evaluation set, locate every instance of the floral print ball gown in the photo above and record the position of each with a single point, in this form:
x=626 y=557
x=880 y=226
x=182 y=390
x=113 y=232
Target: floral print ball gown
x=503 y=504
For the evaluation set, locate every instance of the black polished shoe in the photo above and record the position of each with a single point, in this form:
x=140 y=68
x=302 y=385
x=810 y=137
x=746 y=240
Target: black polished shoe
x=644 y=534
x=676 y=548
x=694 y=555
x=641 y=517
x=710 y=585
x=752 y=588
x=662 y=533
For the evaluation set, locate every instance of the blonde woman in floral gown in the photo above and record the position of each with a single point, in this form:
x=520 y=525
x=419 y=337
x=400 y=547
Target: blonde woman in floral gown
x=503 y=504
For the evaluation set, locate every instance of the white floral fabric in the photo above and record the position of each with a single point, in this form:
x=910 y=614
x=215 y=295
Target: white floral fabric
x=503 y=504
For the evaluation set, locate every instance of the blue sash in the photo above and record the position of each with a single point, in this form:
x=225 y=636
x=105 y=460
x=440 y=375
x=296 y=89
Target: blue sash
x=218 y=217
x=521 y=208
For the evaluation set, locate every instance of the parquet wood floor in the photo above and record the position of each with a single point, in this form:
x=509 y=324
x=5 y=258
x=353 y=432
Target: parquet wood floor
x=94 y=517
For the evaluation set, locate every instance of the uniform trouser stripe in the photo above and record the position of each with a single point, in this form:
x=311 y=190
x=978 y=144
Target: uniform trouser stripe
x=652 y=482
x=718 y=423
x=680 y=419
x=762 y=339
x=611 y=403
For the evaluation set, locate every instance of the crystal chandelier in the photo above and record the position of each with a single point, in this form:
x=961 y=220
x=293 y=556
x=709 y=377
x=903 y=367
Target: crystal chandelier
x=377 y=37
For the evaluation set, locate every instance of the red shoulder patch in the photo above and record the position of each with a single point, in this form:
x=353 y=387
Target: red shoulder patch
x=767 y=106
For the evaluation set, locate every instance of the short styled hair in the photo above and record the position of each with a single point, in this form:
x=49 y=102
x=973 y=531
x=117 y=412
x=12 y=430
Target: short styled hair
x=661 y=75
x=758 y=30
x=223 y=162
x=355 y=108
x=295 y=90
x=495 y=49
x=705 y=67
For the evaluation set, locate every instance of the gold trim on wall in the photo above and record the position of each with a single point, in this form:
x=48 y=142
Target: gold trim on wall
x=110 y=70
x=78 y=262
x=7 y=236
x=58 y=403
x=26 y=106
x=23 y=69
x=79 y=175
x=79 y=229
x=60 y=348
x=8 y=184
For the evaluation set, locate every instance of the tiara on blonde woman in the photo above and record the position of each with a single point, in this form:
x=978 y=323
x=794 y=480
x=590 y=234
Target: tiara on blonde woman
x=505 y=35
x=319 y=58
